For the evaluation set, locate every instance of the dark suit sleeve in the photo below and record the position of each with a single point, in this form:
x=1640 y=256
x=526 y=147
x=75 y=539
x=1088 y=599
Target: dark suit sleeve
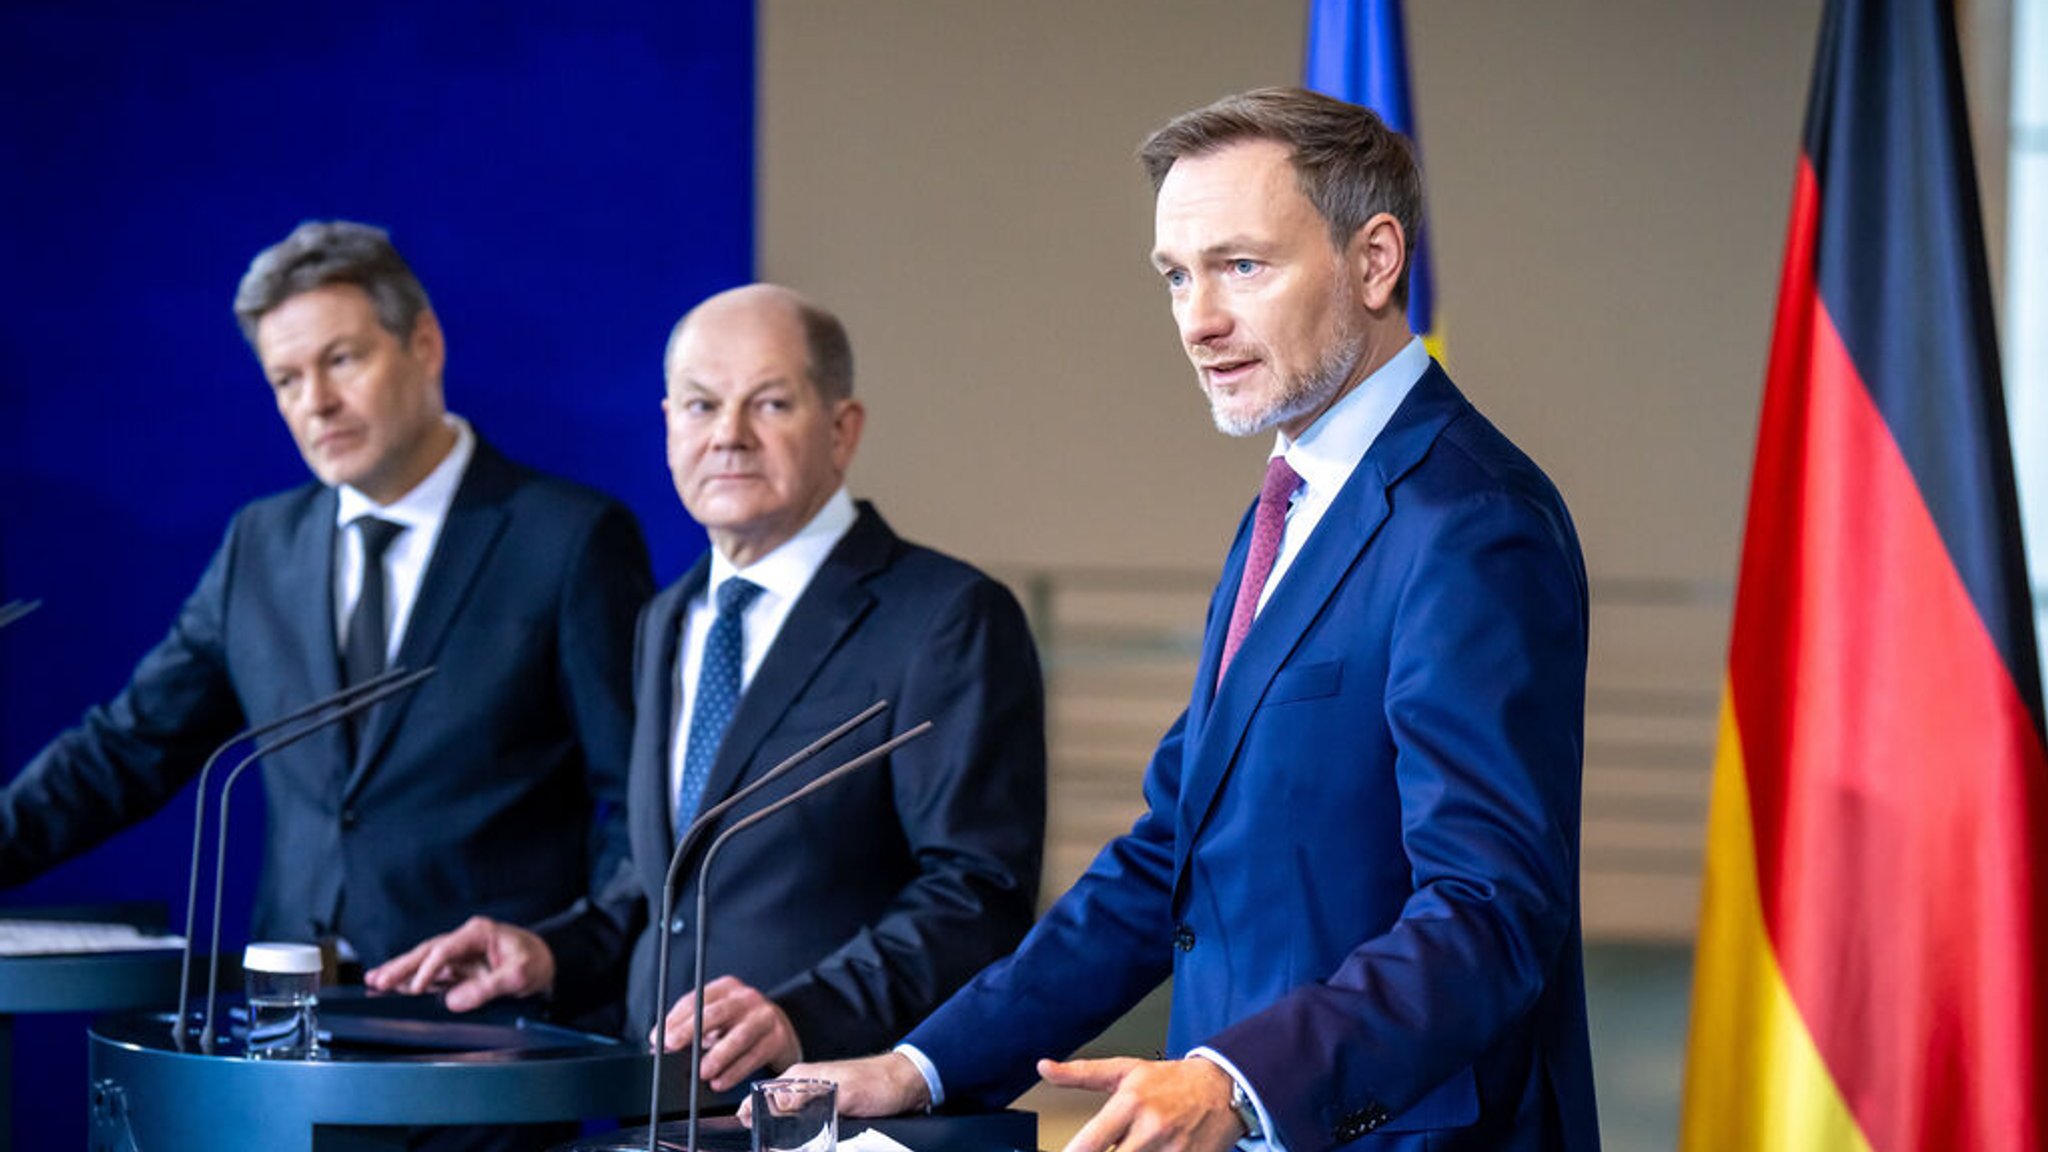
x=1098 y=951
x=599 y=603
x=592 y=942
x=970 y=798
x=1484 y=699
x=128 y=757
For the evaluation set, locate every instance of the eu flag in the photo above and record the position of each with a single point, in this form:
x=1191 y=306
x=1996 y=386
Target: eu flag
x=1358 y=51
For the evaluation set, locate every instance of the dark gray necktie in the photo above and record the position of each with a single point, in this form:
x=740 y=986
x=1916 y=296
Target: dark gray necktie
x=362 y=651
x=362 y=654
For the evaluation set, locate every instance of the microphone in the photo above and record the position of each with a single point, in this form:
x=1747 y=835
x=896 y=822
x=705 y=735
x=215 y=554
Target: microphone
x=15 y=609
x=689 y=838
x=333 y=700
x=703 y=877
x=366 y=698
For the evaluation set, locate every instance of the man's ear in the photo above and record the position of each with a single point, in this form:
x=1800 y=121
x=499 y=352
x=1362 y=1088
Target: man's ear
x=1377 y=255
x=426 y=344
x=848 y=418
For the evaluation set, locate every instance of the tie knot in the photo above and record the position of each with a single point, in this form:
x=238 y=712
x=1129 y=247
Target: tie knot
x=735 y=595
x=1281 y=480
x=377 y=535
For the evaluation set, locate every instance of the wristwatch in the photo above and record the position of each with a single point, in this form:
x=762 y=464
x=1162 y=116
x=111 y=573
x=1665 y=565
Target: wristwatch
x=1247 y=1112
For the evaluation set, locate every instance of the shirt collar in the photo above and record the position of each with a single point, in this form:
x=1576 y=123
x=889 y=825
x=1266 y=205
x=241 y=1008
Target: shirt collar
x=787 y=571
x=428 y=501
x=1329 y=449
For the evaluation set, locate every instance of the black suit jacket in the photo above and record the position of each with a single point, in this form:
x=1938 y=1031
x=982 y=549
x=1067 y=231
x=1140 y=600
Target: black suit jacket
x=862 y=907
x=475 y=791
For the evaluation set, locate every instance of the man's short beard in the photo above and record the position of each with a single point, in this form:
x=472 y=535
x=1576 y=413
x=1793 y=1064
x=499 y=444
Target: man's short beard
x=1299 y=395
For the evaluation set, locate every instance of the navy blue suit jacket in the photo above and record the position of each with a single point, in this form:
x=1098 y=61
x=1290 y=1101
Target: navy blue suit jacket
x=1359 y=861
x=860 y=908
x=474 y=792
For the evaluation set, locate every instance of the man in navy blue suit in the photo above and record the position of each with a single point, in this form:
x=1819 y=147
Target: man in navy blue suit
x=1359 y=862
x=496 y=784
x=841 y=924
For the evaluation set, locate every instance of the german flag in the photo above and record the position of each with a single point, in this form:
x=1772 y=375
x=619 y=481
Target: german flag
x=1874 y=937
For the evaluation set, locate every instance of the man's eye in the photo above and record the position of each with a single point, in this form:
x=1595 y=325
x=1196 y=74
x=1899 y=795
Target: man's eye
x=1244 y=267
x=1175 y=277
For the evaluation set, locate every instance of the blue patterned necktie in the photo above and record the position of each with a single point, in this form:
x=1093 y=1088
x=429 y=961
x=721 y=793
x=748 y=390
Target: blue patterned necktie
x=718 y=695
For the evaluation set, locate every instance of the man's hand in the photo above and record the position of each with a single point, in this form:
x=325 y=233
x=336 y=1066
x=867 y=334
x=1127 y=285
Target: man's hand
x=885 y=1085
x=1153 y=1106
x=743 y=1032
x=471 y=966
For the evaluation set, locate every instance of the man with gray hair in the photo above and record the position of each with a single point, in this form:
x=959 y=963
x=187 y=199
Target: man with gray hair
x=497 y=783
x=842 y=924
x=1359 y=861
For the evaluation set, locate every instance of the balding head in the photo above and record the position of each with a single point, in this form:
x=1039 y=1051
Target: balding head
x=828 y=355
x=761 y=421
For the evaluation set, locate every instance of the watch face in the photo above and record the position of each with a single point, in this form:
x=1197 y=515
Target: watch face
x=1241 y=1103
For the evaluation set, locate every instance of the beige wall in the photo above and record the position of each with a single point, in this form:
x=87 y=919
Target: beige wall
x=1608 y=185
x=1608 y=188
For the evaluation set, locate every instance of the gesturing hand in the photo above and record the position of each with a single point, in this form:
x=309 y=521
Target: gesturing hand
x=1153 y=1105
x=471 y=966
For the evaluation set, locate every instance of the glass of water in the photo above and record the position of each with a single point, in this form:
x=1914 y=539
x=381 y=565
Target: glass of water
x=796 y=1115
x=284 y=1000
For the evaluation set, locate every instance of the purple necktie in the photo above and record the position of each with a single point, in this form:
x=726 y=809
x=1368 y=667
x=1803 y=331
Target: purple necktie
x=1267 y=525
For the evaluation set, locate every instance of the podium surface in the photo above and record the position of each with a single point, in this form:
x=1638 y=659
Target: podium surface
x=75 y=982
x=393 y=1062
x=1007 y=1131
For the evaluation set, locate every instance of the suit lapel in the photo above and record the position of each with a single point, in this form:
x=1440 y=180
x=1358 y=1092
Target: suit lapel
x=1217 y=626
x=650 y=801
x=312 y=551
x=476 y=518
x=830 y=607
x=1318 y=570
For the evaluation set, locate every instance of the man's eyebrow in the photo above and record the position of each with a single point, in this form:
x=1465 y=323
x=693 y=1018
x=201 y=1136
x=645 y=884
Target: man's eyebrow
x=1224 y=247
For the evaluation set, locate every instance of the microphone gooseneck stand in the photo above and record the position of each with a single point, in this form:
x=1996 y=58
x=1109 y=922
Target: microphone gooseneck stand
x=358 y=704
x=703 y=876
x=334 y=700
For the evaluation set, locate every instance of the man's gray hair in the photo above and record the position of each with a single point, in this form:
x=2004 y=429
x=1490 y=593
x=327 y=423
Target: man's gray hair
x=319 y=253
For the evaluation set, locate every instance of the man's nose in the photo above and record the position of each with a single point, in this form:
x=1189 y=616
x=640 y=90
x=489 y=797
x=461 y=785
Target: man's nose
x=1201 y=314
x=732 y=429
x=320 y=394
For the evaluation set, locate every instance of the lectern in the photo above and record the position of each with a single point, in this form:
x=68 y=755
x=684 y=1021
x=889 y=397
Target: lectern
x=394 y=1062
x=75 y=982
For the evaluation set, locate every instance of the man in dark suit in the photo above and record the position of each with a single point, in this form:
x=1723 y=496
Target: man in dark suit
x=1360 y=859
x=419 y=545
x=844 y=923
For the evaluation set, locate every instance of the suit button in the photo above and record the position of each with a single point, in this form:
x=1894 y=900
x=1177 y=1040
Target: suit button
x=678 y=925
x=348 y=817
x=1184 y=938
x=1365 y=1120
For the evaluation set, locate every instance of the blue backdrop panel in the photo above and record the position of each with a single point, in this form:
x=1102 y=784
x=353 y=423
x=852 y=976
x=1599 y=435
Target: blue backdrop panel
x=565 y=179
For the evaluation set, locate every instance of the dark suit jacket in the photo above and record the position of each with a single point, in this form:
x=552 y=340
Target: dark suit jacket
x=1360 y=859
x=474 y=792
x=859 y=908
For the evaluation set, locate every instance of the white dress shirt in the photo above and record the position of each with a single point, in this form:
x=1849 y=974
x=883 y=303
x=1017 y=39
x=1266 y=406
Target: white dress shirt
x=421 y=512
x=782 y=575
x=1330 y=449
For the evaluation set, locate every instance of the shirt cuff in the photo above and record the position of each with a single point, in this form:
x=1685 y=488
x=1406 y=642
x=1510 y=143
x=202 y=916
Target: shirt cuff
x=1270 y=1139
x=924 y=1067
